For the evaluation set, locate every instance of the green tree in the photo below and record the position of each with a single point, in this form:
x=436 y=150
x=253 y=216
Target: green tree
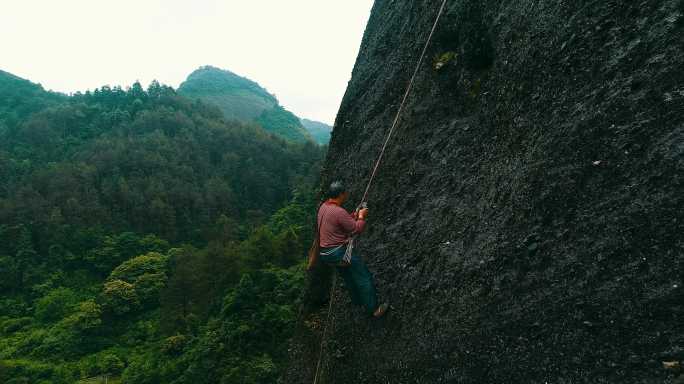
x=119 y=297
x=55 y=305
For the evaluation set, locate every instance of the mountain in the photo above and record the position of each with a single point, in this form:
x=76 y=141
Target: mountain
x=319 y=131
x=244 y=100
x=123 y=135
x=237 y=97
x=15 y=86
x=20 y=97
x=526 y=221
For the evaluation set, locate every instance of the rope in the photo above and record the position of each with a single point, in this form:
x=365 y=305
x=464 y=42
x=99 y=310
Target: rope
x=325 y=330
x=375 y=168
x=403 y=101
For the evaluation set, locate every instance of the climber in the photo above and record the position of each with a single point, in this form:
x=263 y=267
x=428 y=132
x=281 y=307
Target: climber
x=336 y=227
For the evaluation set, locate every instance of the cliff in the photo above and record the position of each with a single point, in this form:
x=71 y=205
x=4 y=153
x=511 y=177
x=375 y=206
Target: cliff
x=526 y=222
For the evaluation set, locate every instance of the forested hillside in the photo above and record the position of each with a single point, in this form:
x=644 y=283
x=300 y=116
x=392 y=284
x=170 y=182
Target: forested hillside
x=20 y=97
x=319 y=131
x=145 y=237
x=239 y=98
x=242 y=99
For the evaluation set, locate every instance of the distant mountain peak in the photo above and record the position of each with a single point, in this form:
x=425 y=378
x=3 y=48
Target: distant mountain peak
x=221 y=80
x=20 y=97
x=9 y=78
x=242 y=99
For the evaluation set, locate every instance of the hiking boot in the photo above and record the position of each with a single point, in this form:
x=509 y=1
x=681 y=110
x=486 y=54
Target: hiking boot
x=380 y=311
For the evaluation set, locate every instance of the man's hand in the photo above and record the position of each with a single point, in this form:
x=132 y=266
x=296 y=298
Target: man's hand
x=363 y=213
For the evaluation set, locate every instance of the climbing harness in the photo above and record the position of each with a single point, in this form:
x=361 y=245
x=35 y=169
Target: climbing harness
x=330 y=252
x=342 y=263
x=350 y=244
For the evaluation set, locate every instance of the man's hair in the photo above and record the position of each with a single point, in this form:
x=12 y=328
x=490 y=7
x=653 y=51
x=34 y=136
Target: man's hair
x=335 y=189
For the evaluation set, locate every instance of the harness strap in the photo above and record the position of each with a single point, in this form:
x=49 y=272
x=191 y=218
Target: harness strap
x=330 y=252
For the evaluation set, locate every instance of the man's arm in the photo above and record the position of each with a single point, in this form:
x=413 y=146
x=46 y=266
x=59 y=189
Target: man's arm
x=349 y=222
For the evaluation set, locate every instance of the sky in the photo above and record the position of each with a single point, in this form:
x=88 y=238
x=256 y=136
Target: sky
x=303 y=51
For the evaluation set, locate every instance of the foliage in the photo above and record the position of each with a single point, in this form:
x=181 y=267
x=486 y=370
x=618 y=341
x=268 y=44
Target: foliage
x=241 y=99
x=73 y=336
x=55 y=305
x=118 y=248
x=143 y=237
x=110 y=361
x=20 y=371
x=284 y=124
x=119 y=297
x=20 y=98
x=237 y=97
x=320 y=132
x=114 y=161
x=445 y=58
x=136 y=281
x=133 y=269
x=241 y=342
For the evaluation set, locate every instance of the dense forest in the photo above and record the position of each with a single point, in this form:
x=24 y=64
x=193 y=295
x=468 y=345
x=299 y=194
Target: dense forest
x=319 y=131
x=145 y=237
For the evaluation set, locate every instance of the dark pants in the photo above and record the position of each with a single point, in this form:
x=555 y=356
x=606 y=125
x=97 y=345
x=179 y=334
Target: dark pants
x=357 y=277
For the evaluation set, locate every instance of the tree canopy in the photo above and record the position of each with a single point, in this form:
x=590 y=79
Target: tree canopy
x=143 y=236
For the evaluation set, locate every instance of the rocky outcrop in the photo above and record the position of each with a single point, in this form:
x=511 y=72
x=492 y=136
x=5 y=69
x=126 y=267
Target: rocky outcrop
x=526 y=222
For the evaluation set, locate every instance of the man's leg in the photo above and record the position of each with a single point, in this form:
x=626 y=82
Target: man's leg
x=335 y=258
x=350 y=283
x=363 y=281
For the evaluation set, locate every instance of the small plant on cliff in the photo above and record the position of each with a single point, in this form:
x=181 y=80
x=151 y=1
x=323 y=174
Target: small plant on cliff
x=440 y=61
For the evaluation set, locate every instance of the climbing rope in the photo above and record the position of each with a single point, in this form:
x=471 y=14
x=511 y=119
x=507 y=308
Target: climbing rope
x=403 y=101
x=372 y=176
x=325 y=329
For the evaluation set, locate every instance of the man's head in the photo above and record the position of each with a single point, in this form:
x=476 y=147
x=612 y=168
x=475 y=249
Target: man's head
x=337 y=191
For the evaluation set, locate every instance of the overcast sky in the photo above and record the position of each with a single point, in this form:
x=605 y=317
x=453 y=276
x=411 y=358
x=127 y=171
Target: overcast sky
x=303 y=51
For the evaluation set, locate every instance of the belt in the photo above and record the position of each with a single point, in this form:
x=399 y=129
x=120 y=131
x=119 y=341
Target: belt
x=331 y=251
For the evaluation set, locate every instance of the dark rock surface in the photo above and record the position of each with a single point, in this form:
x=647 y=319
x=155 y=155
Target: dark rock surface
x=526 y=222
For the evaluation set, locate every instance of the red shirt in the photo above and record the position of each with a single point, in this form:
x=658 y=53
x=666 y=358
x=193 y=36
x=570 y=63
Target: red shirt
x=337 y=225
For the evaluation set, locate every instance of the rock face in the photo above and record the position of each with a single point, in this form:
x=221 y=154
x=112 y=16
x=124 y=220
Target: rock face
x=526 y=222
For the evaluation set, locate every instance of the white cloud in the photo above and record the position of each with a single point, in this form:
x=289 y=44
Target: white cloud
x=301 y=50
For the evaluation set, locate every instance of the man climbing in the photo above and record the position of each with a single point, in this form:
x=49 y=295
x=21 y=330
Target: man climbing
x=336 y=228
